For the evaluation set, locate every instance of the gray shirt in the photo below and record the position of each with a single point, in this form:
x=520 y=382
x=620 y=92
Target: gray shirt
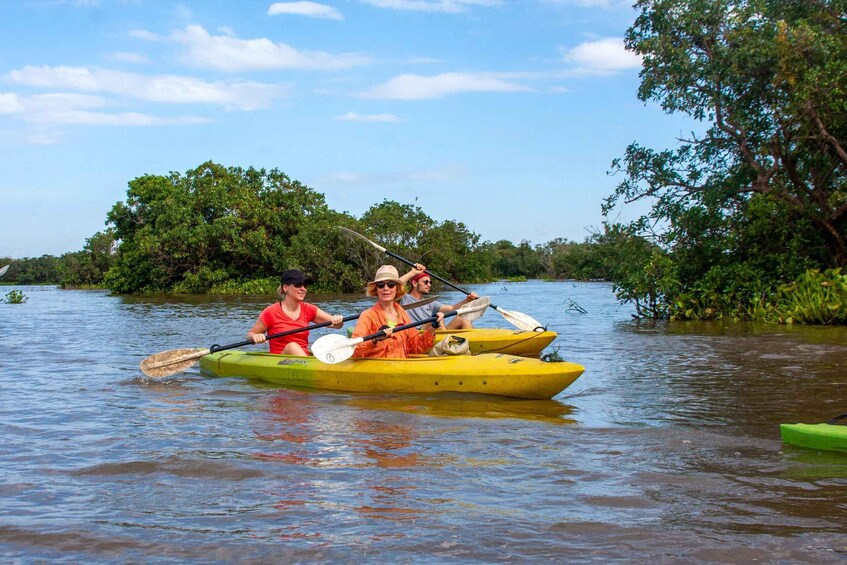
x=422 y=312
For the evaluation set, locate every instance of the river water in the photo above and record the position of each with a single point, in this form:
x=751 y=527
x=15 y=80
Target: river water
x=666 y=450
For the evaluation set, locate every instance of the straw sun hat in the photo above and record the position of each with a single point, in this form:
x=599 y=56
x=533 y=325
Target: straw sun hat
x=384 y=274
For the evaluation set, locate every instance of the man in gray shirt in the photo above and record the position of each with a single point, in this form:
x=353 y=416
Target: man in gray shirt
x=420 y=284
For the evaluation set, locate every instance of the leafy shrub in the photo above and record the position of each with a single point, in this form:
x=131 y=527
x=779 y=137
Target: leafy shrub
x=814 y=298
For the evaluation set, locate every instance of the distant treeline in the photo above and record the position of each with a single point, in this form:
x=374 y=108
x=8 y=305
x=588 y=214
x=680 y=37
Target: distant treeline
x=229 y=230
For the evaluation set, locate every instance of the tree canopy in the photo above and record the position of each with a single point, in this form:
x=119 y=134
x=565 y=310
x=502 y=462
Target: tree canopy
x=219 y=229
x=759 y=194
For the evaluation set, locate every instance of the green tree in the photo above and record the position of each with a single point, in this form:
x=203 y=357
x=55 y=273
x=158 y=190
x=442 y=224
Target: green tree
x=517 y=261
x=563 y=259
x=449 y=248
x=187 y=233
x=762 y=190
x=87 y=268
x=34 y=270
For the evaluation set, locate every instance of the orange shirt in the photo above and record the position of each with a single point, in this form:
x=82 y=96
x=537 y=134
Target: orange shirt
x=400 y=345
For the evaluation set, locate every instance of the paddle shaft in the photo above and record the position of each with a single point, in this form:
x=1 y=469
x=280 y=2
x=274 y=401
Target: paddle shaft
x=215 y=348
x=520 y=320
x=350 y=318
x=431 y=320
x=436 y=277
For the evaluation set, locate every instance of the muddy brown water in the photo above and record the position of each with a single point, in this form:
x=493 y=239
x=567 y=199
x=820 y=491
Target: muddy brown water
x=666 y=450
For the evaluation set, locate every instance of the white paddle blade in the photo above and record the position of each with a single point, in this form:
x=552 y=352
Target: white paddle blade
x=334 y=348
x=522 y=321
x=4 y=269
x=474 y=309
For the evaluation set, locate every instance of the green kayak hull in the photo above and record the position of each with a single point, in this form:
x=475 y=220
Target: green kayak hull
x=826 y=437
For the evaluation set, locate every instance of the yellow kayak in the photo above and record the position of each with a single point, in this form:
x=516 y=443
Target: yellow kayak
x=513 y=342
x=487 y=373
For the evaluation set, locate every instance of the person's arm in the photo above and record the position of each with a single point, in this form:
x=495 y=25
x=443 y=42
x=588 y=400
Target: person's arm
x=369 y=323
x=420 y=342
x=413 y=272
x=336 y=319
x=469 y=298
x=257 y=332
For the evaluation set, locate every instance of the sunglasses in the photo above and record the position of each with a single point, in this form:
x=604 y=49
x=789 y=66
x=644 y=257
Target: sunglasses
x=382 y=285
x=298 y=285
x=427 y=281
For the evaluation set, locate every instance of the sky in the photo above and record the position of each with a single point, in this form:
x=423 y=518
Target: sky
x=501 y=114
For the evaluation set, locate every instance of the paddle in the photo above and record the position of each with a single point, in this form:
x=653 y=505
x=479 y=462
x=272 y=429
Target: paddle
x=3 y=270
x=173 y=361
x=335 y=348
x=519 y=319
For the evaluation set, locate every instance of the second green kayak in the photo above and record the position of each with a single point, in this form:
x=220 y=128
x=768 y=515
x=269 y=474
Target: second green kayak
x=826 y=437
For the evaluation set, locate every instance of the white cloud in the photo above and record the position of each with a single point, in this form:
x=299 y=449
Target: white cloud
x=165 y=89
x=145 y=35
x=118 y=119
x=445 y=6
x=601 y=57
x=417 y=87
x=10 y=103
x=357 y=117
x=71 y=108
x=19 y=138
x=61 y=101
x=226 y=53
x=125 y=57
x=311 y=9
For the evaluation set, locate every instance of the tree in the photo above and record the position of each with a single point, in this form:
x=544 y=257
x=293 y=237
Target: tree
x=186 y=233
x=516 y=261
x=88 y=267
x=767 y=78
x=449 y=248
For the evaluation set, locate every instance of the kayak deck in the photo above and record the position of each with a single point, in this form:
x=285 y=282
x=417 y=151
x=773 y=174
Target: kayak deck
x=826 y=437
x=488 y=373
x=498 y=340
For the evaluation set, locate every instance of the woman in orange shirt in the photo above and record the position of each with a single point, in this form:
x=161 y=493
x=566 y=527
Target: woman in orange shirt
x=385 y=315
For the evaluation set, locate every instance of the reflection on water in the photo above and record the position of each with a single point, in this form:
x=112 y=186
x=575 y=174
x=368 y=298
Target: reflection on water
x=466 y=406
x=667 y=449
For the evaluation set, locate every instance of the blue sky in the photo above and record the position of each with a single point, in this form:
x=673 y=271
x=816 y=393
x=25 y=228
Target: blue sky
x=502 y=114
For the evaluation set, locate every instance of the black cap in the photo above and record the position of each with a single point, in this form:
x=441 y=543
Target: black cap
x=294 y=276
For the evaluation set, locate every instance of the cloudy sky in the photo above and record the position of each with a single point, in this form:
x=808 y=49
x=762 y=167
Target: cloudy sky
x=502 y=114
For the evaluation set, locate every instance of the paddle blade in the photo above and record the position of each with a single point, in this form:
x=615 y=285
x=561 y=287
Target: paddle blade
x=360 y=236
x=3 y=270
x=522 y=321
x=167 y=363
x=474 y=310
x=334 y=348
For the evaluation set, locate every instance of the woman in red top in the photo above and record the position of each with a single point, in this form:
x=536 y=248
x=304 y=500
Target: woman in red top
x=386 y=314
x=290 y=313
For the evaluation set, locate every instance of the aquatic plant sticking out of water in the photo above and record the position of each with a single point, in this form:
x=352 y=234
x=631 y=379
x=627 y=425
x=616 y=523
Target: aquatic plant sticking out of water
x=552 y=357
x=15 y=297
